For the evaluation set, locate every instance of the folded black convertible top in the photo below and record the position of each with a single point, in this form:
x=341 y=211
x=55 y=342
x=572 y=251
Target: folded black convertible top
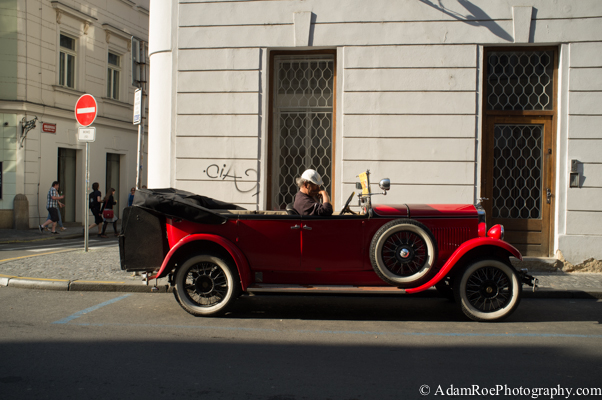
x=182 y=204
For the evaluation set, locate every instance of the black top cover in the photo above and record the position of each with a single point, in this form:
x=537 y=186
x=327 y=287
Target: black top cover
x=181 y=204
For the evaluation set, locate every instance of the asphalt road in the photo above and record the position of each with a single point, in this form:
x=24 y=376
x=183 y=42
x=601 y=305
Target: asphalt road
x=88 y=345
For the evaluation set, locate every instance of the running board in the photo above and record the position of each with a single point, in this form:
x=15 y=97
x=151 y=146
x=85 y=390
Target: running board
x=269 y=287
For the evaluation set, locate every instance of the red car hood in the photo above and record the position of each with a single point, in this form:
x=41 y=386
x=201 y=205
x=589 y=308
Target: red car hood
x=425 y=210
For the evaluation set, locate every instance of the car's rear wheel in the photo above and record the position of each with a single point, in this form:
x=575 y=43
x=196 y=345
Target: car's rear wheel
x=403 y=253
x=488 y=290
x=206 y=285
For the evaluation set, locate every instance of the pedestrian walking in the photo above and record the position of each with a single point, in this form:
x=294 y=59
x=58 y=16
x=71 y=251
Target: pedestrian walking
x=94 y=204
x=52 y=206
x=131 y=196
x=108 y=214
x=60 y=223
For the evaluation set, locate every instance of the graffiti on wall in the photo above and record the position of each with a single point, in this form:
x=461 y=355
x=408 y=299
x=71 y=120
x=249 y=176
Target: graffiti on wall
x=241 y=183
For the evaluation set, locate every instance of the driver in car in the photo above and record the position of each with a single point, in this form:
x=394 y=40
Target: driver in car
x=307 y=199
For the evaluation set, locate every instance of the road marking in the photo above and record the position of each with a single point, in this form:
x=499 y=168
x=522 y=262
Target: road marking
x=90 y=309
x=35 y=255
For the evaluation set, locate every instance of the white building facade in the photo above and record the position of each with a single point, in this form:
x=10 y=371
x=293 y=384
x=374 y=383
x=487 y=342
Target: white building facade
x=53 y=52
x=453 y=101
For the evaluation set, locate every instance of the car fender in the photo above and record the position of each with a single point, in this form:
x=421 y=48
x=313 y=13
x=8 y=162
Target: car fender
x=239 y=259
x=463 y=250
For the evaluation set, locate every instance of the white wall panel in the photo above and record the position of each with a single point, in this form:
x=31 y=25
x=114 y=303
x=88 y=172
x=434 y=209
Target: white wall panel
x=585 y=103
x=587 y=79
x=223 y=190
x=423 y=79
x=586 y=54
x=586 y=151
x=218 y=59
x=409 y=103
x=584 y=199
x=236 y=36
x=409 y=125
x=410 y=149
x=448 y=56
x=455 y=32
x=592 y=175
x=217 y=125
x=218 y=81
x=407 y=172
x=216 y=147
x=567 y=30
x=217 y=170
x=584 y=223
x=417 y=194
x=581 y=127
x=218 y=103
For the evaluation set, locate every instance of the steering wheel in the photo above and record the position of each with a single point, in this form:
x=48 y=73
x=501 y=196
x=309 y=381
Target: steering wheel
x=346 y=208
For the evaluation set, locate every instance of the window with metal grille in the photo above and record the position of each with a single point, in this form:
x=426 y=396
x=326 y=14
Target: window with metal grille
x=303 y=95
x=517 y=171
x=67 y=56
x=520 y=80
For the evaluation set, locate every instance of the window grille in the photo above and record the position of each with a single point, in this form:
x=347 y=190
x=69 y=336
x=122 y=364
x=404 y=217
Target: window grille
x=517 y=171
x=303 y=107
x=521 y=80
x=67 y=56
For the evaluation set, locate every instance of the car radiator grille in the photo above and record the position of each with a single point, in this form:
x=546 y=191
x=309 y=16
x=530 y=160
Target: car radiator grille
x=450 y=238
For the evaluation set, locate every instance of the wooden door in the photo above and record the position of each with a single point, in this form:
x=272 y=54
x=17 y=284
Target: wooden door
x=518 y=180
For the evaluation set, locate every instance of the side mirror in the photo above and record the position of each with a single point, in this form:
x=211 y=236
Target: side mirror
x=358 y=186
x=385 y=184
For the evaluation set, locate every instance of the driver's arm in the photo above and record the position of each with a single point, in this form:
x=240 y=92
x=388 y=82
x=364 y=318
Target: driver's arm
x=325 y=197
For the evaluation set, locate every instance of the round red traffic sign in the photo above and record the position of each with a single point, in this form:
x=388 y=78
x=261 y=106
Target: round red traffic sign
x=85 y=110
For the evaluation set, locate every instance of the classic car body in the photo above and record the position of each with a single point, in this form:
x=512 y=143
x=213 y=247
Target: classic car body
x=212 y=252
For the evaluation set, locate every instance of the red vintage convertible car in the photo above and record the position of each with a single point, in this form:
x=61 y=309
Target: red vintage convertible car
x=212 y=252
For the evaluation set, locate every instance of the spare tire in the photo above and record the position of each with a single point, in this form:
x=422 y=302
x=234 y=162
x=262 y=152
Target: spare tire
x=403 y=253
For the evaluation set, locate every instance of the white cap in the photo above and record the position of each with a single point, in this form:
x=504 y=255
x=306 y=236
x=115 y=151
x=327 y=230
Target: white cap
x=312 y=176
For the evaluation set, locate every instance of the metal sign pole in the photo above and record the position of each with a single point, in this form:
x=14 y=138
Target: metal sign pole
x=86 y=205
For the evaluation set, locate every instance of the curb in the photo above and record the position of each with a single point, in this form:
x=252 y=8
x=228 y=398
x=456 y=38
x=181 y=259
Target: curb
x=82 y=285
x=163 y=287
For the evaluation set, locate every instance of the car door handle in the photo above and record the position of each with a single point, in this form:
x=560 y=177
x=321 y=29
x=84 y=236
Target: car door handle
x=295 y=227
x=307 y=228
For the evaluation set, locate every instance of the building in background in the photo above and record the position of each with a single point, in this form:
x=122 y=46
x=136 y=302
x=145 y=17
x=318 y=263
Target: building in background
x=452 y=100
x=52 y=52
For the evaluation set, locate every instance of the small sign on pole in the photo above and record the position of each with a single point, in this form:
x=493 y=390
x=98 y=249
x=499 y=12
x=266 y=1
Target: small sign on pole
x=137 y=106
x=86 y=110
x=86 y=134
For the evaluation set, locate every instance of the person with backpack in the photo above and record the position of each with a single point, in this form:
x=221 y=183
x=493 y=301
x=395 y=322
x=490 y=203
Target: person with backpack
x=94 y=204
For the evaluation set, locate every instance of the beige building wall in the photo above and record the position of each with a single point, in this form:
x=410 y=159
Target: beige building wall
x=97 y=27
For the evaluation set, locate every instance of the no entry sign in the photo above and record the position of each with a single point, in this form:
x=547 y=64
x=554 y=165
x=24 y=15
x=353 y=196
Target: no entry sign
x=85 y=110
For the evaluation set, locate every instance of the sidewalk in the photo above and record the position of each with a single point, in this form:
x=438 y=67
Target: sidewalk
x=99 y=270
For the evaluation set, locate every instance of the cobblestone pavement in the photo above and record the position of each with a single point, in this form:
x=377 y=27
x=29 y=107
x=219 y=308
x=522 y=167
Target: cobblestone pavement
x=96 y=265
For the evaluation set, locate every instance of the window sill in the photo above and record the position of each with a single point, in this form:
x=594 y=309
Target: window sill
x=67 y=90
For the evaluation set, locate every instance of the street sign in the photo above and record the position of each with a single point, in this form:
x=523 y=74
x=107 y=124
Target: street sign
x=86 y=110
x=137 y=106
x=86 y=134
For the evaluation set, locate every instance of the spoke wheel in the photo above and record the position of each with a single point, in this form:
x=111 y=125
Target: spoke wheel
x=403 y=253
x=206 y=285
x=488 y=290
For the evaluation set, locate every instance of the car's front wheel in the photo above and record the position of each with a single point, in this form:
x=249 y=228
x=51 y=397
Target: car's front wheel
x=487 y=290
x=206 y=285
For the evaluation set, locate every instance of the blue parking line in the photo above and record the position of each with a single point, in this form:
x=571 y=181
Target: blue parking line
x=90 y=309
